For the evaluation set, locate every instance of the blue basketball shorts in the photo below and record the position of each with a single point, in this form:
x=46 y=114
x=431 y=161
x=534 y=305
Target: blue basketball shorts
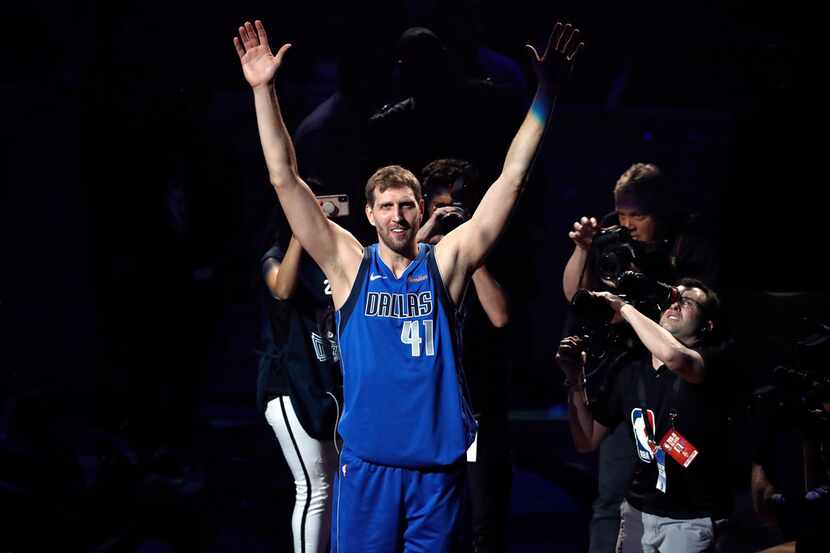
x=384 y=509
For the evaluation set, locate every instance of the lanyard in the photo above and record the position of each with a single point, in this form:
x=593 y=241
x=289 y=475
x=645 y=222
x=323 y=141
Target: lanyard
x=641 y=397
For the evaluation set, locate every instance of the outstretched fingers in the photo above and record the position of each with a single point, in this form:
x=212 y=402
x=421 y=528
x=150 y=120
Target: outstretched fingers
x=572 y=46
x=251 y=40
x=247 y=37
x=564 y=36
x=553 y=39
x=569 y=40
x=262 y=36
x=238 y=45
x=563 y=39
x=243 y=36
x=572 y=56
x=569 y=44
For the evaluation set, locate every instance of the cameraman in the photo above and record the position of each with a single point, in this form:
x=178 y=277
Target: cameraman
x=671 y=242
x=671 y=395
x=449 y=189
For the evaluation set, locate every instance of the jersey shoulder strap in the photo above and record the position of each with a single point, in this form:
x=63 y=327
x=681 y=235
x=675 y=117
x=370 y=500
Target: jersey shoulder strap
x=357 y=287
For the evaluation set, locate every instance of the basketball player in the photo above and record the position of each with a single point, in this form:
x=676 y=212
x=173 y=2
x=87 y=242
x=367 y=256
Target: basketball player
x=406 y=422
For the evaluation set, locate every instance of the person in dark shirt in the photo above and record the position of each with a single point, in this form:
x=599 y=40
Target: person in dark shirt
x=299 y=386
x=673 y=400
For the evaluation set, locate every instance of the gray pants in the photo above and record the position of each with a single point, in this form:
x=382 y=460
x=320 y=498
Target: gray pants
x=642 y=532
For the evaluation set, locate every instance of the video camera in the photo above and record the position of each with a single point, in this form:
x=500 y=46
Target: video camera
x=605 y=343
x=616 y=252
x=647 y=295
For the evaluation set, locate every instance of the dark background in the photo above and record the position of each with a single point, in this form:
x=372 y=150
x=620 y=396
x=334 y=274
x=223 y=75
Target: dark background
x=134 y=191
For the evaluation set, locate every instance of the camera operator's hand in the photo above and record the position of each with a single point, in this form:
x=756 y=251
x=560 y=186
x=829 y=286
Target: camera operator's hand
x=615 y=302
x=433 y=230
x=583 y=232
x=571 y=357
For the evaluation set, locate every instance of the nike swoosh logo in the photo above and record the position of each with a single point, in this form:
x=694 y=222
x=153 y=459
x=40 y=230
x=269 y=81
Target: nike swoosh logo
x=375 y=277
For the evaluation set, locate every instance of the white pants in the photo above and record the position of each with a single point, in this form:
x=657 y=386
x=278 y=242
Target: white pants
x=313 y=464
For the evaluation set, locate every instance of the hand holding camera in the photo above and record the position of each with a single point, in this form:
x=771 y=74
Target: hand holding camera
x=571 y=357
x=615 y=302
x=441 y=222
x=597 y=308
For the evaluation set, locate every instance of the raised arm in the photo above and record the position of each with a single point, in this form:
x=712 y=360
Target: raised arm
x=464 y=249
x=577 y=272
x=686 y=362
x=332 y=248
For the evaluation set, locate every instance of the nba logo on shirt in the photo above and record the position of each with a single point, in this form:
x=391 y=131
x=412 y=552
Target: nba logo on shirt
x=638 y=424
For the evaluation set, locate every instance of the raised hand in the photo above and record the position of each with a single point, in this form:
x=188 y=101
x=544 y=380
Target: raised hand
x=259 y=65
x=556 y=62
x=583 y=232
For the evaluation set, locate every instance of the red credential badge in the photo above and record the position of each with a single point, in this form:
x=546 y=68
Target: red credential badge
x=680 y=449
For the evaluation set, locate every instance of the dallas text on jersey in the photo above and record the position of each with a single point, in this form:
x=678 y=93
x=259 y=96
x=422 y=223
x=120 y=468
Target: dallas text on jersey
x=398 y=306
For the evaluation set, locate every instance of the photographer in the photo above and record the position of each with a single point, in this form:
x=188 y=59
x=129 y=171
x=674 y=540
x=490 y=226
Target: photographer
x=672 y=401
x=449 y=188
x=444 y=183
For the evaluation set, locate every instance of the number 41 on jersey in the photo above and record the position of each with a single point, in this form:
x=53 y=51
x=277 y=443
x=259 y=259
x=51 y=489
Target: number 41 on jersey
x=411 y=334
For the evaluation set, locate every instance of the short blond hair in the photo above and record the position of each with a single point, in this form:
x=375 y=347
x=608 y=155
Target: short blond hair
x=391 y=176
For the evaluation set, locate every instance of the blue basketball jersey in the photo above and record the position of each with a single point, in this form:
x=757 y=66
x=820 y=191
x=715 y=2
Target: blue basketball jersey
x=405 y=400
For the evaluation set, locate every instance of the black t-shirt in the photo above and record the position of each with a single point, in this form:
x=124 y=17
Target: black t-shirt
x=483 y=356
x=702 y=489
x=308 y=365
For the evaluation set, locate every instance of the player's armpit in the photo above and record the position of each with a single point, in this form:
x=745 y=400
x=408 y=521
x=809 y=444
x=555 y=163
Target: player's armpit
x=342 y=270
x=455 y=268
